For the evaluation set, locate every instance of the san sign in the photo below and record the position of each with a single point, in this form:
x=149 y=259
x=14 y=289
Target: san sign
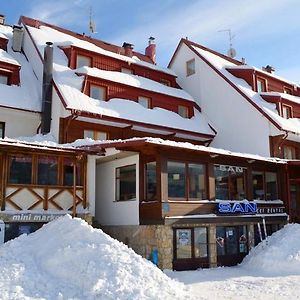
x=237 y=208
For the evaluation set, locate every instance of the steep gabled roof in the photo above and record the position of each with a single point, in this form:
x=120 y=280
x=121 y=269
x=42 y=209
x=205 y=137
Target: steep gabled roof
x=220 y=63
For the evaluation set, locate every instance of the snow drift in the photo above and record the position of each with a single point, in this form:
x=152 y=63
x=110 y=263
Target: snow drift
x=68 y=259
x=280 y=255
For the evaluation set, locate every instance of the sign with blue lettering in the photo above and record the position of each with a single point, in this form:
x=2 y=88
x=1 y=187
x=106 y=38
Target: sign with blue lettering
x=237 y=208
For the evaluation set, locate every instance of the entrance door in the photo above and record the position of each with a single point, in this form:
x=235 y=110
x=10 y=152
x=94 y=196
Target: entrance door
x=295 y=202
x=2 y=231
x=232 y=244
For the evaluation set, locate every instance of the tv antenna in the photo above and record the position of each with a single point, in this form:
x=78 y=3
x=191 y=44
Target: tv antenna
x=92 y=25
x=231 y=52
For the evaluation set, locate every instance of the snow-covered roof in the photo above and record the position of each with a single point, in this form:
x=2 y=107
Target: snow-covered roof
x=222 y=64
x=66 y=40
x=69 y=85
x=136 y=81
x=27 y=95
x=289 y=97
x=3 y=36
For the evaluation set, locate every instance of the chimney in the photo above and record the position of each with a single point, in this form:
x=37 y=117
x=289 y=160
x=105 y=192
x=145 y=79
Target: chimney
x=17 y=38
x=47 y=89
x=128 y=49
x=243 y=60
x=2 y=19
x=269 y=69
x=150 y=51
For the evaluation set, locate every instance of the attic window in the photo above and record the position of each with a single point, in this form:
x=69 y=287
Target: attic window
x=95 y=135
x=98 y=92
x=2 y=129
x=289 y=152
x=126 y=71
x=3 y=79
x=288 y=91
x=190 y=67
x=261 y=85
x=286 y=111
x=83 y=61
x=144 y=101
x=183 y=111
x=165 y=82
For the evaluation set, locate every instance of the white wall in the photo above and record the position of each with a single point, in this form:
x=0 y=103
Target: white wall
x=19 y=123
x=108 y=211
x=240 y=127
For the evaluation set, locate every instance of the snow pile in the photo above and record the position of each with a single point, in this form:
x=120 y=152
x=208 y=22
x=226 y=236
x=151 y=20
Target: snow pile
x=280 y=255
x=68 y=259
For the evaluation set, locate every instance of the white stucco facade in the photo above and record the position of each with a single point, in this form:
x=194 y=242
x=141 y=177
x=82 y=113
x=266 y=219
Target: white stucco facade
x=108 y=210
x=240 y=126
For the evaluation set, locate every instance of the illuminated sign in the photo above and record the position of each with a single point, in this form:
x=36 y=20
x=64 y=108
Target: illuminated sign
x=232 y=169
x=237 y=208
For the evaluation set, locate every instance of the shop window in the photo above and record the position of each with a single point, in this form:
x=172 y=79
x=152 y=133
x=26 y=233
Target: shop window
x=20 y=169
x=13 y=230
x=230 y=182
x=150 y=170
x=286 y=111
x=144 y=101
x=265 y=186
x=165 y=82
x=2 y=130
x=191 y=243
x=68 y=169
x=126 y=183
x=47 y=170
x=261 y=85
x=126 y=71
x=83 y=61
x=190 y=67
x=176 y=180
x=289 y=152
x=95 y=135
x=183 y=111
x=98 y=92
x=197 y=182
x=3 y=79
x=231 y=241
x=186 y=181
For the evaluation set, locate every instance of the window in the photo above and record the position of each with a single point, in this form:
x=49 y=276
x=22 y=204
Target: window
x=2 y=129
x=165 y=82
x=126 y=183
x=289 y=152
x=230 y=182
x=261 y=85
x=95 y=135
x=68 y=167
x=265 y=185
x=20 y=169
x=98 y=92
x=83 y=61
x=126 y=71
x=288 y=91
x=286 y=111
x=190 y=67
x=191 y=243
x=150 y=170
x=144 y=101
x=47 y=170
x=3 y=79
x=183 y=111
x=186 y=181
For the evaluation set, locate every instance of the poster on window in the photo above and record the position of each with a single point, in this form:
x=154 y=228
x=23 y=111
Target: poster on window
x=184 y=237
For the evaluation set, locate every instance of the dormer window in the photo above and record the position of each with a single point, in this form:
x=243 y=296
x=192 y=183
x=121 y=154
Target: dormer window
x=126 y=71
x=3 y=79
x=287 y=111
x=83 y=61
x=288 y=91
x=2 y=128
x=165 y=82
x=261 y=85
x=183 y=111
x=95 y=135
x=98 y=92
x=144 y=101
x=190 y=67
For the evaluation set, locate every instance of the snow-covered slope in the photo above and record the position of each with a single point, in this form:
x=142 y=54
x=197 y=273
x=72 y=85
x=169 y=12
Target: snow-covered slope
x=68 y=259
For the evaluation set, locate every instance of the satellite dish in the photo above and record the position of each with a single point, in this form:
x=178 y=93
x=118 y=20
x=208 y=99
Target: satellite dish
x=231 y=52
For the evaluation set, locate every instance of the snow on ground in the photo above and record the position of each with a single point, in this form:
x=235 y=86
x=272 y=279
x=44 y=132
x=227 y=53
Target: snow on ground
x=68 y=259
x=270 y=271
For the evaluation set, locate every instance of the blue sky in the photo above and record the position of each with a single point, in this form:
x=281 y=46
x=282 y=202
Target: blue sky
x=266 y=31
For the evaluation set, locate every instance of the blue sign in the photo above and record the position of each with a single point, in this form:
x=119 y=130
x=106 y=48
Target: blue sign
x=237 y=208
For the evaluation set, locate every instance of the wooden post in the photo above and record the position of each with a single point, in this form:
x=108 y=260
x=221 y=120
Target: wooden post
x=74 y=188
